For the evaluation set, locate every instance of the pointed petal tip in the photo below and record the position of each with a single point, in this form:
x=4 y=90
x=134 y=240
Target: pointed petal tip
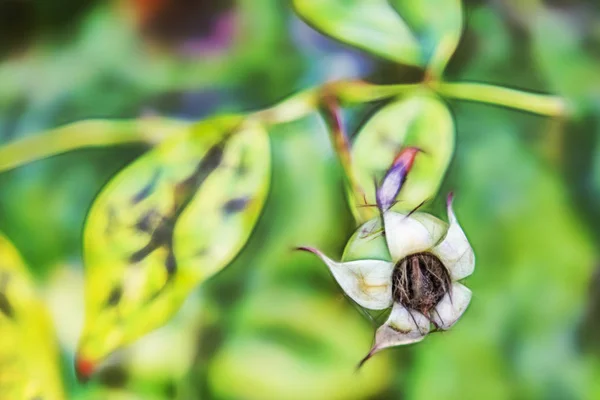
x=316 y=252
x=366 y=358
x=308 y=249
x=450 y=199
x=407 y=156
x=450 y=209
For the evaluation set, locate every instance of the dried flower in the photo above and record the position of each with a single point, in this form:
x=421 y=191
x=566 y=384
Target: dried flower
x=420 y=283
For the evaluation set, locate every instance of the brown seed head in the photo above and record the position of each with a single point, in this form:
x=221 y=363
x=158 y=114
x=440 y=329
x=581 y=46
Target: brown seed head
x=420 y=281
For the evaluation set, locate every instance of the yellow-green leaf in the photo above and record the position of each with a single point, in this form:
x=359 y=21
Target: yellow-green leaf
x=404 y=31
x=29 y=362
x=167 y=222
x=372 y=25
x=297 y=345
x=421 y=120
x=437 y=25
x=220 y=218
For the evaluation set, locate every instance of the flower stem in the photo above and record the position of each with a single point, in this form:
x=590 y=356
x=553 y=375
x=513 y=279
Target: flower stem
x=99 y=133
x=331 y=112
x=84 y=134
x=346 y=92
x=530 y=102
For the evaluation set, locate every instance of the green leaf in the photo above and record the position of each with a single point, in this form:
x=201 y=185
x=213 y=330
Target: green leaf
x=167 y=222
x=404 y=31
x=293 y=344
x=421 y=120
x=28 y=349
x=437 y=25
x=220 y=218
x=371 y=25
x=559 y=49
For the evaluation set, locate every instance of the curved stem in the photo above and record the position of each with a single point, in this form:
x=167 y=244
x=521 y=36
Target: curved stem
x=98 y=133
x=83 y=134
x=530 y=102
x=346 y=92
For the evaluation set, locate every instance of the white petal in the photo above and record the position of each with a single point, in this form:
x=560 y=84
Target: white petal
x=367 y=282
x=451 y=307
x=454 y=251
x=403 y=326
x=410 y=234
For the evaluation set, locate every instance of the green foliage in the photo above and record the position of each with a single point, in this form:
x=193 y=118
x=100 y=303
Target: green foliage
x=172 y=219
x=410 y=36
x=436 y=23
x=28 y=354
x=271 y=323
x=421 y=120
x=571 y=72
x=371 y=25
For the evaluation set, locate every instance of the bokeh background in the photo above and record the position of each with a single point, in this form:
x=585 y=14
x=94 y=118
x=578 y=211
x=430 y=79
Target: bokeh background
x=274 y=325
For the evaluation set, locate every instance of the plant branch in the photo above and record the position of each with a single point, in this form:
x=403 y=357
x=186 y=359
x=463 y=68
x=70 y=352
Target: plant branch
x=100 y=133
x=346 y=92
x=331 y=112
x=84 y=134
x=542 y=104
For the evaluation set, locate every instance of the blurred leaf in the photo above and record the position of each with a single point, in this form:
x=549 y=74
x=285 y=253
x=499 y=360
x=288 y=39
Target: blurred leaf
x=559 y=47
x=297 y=345
x=420 y=120
x=29 y=363
x=370 y=25
x=412 y=37
x=535 y=257
x=435 y=23
x=170 y=220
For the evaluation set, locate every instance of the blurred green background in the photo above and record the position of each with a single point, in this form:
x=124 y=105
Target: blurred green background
x=274 y=325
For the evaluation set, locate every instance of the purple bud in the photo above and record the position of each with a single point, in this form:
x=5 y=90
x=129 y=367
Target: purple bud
x=395 y=177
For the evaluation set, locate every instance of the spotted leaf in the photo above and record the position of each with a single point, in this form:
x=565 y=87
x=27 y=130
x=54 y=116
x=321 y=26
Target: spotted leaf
x=219 y=219
x=170 y=220
x=421 y=121
x=29 y=363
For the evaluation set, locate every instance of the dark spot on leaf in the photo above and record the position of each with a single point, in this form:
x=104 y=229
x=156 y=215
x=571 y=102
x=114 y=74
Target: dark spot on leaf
x=162 y=235
x=5 y=306
x=202 y=252
x=111 y=216
x=115 y=296
x=171 y=262
x=235 y=205
x=147 y=222
x=114 y=376
x=146 y=190
x=242 y=167
x=142 y=253
x=185 y=190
